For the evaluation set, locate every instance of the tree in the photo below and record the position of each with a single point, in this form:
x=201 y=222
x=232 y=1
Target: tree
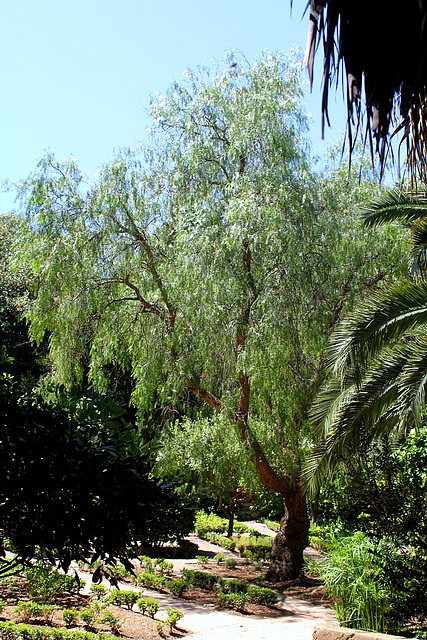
x=209 y=266
x=377 y=357
x=204 y=455
x=384 y=52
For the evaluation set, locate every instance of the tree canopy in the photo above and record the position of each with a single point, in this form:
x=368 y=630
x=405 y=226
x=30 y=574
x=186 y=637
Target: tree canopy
x=210 y=265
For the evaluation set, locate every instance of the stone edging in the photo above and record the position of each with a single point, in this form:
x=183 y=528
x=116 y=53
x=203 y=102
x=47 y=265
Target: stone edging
x=342 y=633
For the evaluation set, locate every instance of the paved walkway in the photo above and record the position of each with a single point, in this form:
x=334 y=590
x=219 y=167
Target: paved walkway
x=207 y=623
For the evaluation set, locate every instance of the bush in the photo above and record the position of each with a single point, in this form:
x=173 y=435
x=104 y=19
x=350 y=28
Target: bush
x=174 y=616
x=235 y=601
x=150 y=581
x=177 y=587
x=3 y=604
x=89 y=616
x=26 y=611
x=230 y=563
x=219 y=557
x=99 y=591
x=149 y=605
x=233 y=586
x=13 y=631
x=45 y=584
x=123 y=598
x=262 y=595
x=202 y=559
x=70 y=616
x=200 y=579
x=112 y=622
x=255 y=547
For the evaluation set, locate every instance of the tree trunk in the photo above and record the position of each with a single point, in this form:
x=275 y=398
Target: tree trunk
x=292 y=539
x=230 y=524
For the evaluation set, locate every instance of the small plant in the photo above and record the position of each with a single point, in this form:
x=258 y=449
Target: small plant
x=70 y=616
x=230 y=563
x=45 y=583
x=200 y=579
x=202 y=560
x=219 y=557
x=99 y=591
x=233 y=586
x=3 y=604
x=235 y=601
x=123 y=598
x=113 y=623
x=262 y=595
x=174 y=616
x=177 y=587
x=151 y=581
x=149 y=605
x=89 y=616
x=26 y=611
x=165 y=568
x=160 y=629
x=47 y=611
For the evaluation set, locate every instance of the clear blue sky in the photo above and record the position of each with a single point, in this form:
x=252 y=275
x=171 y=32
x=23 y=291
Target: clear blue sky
x=76 y=75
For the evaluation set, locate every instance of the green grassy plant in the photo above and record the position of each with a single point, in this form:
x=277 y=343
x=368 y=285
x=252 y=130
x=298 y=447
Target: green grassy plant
x=235 y=601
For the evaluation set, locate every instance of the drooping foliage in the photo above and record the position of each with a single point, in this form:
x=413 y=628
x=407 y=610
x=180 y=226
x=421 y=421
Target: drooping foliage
x=383 y=49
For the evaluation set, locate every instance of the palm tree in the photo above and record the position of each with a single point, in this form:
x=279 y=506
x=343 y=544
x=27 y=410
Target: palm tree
x=377 y=360
x=384 y=52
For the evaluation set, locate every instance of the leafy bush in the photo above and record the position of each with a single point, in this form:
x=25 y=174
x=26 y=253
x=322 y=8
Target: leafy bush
x=89 y=616
x=114 y=624
x=151 y=581
x=14 y=631
x=174 y=616
x=99 y=591
x=271 y=524
x=26 y=611
x=235 y=601
x=70 y=616
x=200 y=579
x=208 y=523
x=262 y=595
x=45 y=584
x=202 y=559
x=230 y=563
x=149 y=605
x=233 y=586
x=123 y=598
x=177 y=587
x=219 y=557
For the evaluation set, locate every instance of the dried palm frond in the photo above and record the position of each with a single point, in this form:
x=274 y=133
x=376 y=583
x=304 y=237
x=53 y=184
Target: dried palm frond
x=383 y=49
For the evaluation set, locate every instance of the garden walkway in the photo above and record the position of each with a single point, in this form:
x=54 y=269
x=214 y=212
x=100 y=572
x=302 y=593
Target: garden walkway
x=208 y=623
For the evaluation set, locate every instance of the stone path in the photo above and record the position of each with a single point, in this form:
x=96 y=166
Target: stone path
x=208 y=623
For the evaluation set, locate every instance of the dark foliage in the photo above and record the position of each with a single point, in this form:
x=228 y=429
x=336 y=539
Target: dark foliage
x=384 y=49
x=62 y=496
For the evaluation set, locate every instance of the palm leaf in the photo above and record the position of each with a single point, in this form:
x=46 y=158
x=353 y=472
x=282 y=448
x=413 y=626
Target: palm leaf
x=395 y=205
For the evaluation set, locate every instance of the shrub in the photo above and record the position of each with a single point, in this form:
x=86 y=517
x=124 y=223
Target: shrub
x=26 y=611
x=150 y=581
x=222 y=541
x=114 y=624
x=165 y=567
x=262 y=595
x=177 y=587
x=233 y=586
x=123 y=598
x=200 y=579
x=89 y=616
x=230 y=563
x=3 y=604
x=45 y=583
x=174 y=616
x=149 y=605
x=99 y=591
x=219 y=557
x=202 y=559
x=235 y=601
x=255 y=547
x=70 y=616
x=13 y=631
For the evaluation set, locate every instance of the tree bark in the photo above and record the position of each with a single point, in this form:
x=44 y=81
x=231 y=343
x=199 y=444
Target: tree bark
x=292 y=539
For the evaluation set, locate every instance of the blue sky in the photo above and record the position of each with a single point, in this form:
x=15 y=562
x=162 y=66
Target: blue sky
x=76 y=76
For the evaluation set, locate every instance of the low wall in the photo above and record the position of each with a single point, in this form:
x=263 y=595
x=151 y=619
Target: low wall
x=342 y=633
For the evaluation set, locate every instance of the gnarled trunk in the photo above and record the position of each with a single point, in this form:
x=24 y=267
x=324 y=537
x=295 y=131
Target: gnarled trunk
x=292 y=539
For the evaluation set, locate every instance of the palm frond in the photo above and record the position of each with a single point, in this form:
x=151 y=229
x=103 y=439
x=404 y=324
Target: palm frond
x=384 y=319
x=396 y=205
